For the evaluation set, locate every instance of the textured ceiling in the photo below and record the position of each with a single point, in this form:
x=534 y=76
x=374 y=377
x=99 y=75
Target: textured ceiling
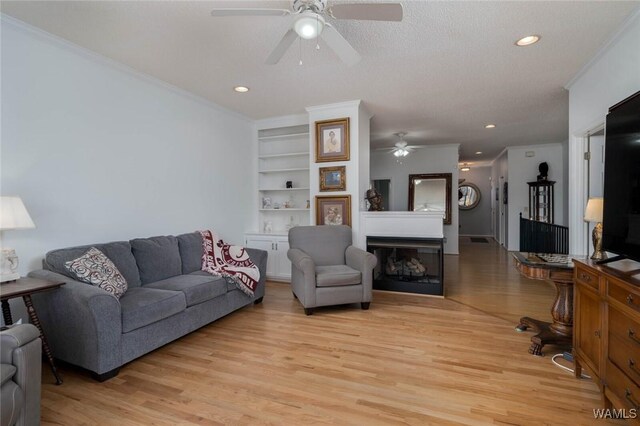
x=441 y=74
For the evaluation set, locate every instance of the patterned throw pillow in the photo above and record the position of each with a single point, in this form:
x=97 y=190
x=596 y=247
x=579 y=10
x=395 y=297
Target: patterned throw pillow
x=96 y=269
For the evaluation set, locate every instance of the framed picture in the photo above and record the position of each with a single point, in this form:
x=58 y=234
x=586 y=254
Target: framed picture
x=332 y=140
x=333 y=178
x=333 y=210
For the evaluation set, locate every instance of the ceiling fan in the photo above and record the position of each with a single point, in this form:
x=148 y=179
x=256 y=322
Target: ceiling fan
x=401 y=148
x=311 y=22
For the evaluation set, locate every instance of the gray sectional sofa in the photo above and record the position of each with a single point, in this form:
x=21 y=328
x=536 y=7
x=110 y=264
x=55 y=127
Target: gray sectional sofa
x=168 y=296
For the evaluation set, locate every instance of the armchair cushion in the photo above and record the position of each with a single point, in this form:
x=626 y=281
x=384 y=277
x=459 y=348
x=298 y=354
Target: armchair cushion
x=334 y=275
x=325 y=244
x=6 y=372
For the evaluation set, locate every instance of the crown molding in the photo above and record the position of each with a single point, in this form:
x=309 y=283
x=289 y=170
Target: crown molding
x=6 y=20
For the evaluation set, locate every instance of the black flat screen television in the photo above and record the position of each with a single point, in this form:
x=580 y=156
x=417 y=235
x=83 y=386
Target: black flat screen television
x=621 y=216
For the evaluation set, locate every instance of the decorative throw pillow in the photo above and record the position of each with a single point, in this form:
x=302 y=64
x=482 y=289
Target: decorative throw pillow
x=96 y=269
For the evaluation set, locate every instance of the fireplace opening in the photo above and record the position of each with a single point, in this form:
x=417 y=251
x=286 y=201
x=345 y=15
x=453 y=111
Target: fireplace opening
x=412 y=265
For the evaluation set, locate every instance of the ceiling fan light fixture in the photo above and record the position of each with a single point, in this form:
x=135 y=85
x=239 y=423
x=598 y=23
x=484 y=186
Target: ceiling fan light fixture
x=309 y=25
x=465 y=169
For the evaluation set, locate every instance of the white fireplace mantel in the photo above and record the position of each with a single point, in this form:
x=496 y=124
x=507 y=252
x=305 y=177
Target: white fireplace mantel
x=400 y=224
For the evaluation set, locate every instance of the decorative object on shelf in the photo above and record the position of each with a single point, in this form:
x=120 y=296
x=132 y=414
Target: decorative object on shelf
x=431 y=192
x=266 y=202
x=276 y=206
x=375 y=200
x=268 y=227
x=332 y=140
x=289 y=184
x=593 y=214
x=543 y=168
x=333 y=178
x=468 y=196
x=291 y=223
x=308 y=204
x=333 y=210
x=13 y=215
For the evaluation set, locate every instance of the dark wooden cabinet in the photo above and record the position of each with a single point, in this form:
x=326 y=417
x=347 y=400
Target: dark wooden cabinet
x=606 y=339
x=541 y=201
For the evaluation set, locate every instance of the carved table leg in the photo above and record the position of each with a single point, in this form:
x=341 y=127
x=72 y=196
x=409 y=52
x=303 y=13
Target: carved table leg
x=45 y=346
x=6 y=313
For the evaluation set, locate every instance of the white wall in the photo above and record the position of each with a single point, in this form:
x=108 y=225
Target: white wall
x=99 y=153
x=499 y=176
x=430 y=159
x=611 y=76
x=477 y=221
x=523 y=169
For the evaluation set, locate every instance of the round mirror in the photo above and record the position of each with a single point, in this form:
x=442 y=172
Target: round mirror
x=468 y=196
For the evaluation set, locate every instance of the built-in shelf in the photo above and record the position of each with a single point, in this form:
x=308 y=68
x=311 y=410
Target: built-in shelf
x=297 y=169
x=288 y=136
x=282 y=189
x=285 y=210
x=289 y=154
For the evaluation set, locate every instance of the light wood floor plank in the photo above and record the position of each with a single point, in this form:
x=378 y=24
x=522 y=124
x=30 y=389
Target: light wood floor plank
x=408 y=360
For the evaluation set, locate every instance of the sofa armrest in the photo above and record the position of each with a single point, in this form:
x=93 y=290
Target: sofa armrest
x=83 y=323
x=364 y=262
x=20 y=346
x=259 y=258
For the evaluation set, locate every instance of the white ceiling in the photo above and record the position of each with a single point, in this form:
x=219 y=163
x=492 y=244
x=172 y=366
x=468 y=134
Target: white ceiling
x=441 y=74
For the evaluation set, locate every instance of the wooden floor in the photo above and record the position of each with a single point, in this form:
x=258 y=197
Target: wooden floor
x=408 y=360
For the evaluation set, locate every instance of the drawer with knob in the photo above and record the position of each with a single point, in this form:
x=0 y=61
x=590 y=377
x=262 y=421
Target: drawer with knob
x=586 y=277
x=621 y=388
x=624 y=328
x=627 y=295
x=625 y=357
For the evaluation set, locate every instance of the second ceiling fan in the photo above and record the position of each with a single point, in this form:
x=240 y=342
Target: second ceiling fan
x=311 y=22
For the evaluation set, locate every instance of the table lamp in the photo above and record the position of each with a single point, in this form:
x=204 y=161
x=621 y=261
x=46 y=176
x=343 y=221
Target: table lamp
x=13 y=215
x=593 y=213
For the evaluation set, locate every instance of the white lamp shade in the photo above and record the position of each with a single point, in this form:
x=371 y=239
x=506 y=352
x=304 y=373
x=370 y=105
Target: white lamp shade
x=593 y=212
x=309 y=25
x=14 y=215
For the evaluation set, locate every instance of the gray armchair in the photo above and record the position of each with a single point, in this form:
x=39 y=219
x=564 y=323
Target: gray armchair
x=326 y=269
x=20 y=364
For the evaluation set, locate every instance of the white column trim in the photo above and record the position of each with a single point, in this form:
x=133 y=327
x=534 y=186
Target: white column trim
x=578 y=179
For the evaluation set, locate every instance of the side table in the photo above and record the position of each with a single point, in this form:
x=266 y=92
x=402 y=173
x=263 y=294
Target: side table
x=25 y=287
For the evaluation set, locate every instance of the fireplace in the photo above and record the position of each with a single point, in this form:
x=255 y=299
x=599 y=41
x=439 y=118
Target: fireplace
x=406 y=264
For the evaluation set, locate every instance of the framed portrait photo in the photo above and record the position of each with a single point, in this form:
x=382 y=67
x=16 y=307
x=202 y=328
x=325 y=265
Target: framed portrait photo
x=332 y=140
x=333 y=210
x=333 y=178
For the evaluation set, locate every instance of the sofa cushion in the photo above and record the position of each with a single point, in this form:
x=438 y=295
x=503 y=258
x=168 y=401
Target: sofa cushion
x=230 y=285
x=158 y=258
x=96 y=269
x=190 y=252
x=143 y=306
x=118 y=252
x=334 y=275
x=196 y=288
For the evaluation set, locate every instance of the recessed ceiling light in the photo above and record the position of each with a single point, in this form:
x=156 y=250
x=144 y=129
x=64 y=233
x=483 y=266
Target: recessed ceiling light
x=478 y=152
x=528 y=40
x=241 y=89
x=465 y=169
x=490 y=126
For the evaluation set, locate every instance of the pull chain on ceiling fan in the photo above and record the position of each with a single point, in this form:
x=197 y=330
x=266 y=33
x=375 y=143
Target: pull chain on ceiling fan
x=311 y=22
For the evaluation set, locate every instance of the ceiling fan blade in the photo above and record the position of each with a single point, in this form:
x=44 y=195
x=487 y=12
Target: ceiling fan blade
x=249 y=12
x=340 y=46
x=277 y=54
x=368 y=11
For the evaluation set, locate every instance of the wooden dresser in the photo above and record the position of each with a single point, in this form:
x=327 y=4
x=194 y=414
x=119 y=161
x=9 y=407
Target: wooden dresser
x=606 y=340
